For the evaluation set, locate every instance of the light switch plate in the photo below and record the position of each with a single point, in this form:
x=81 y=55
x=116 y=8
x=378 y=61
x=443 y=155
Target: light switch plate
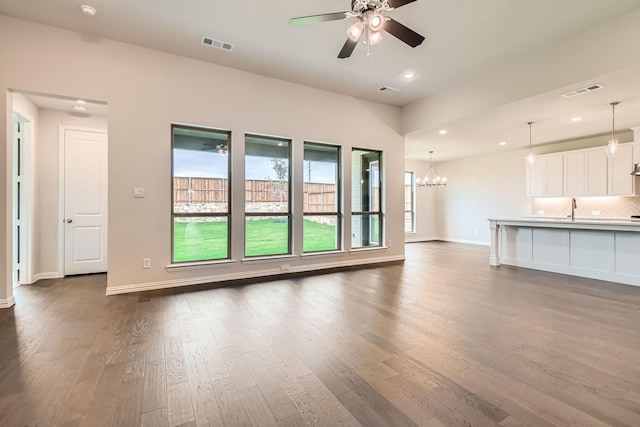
x=138 y=192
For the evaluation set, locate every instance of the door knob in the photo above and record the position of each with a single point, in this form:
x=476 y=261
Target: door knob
x=69 y=221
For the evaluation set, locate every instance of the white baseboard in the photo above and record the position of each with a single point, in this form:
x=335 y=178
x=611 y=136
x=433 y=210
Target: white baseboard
x=419 y=239
x=43 y=276
x=7 y=303
x=468 y=242
x=150 y=286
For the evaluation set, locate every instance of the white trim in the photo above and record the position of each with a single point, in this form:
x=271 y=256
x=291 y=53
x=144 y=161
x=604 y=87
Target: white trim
x=416 y=239
x=150 y=286
x=61 y=170
x=45 y=276
x=199 y=265
x=7 y=303
x=468 y=242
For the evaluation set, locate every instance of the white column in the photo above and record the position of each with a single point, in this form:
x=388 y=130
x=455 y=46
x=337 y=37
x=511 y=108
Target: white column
x=494 y=257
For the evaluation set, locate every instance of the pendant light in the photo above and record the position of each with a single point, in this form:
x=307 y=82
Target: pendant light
x=612 y=146
x=530 y=158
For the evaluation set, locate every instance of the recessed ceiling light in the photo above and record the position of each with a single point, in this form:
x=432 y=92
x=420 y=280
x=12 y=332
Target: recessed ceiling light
x=81 y=101
x=443 y=132
x=576 y=119
x=79 y=108
x=88 y=10
x=409 y=75
x=502 y=143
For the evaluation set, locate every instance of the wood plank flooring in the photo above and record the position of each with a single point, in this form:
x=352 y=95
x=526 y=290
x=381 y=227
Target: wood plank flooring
x=441 y=340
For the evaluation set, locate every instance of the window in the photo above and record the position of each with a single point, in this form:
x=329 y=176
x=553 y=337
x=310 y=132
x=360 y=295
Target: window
x=200 y=193
x=267 y=191
x=409 y=203
x=366 y=215
x=321 y=175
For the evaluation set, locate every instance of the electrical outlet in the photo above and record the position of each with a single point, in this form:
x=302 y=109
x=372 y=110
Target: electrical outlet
x=388 y=243
x=477 y=232
x=138 y=192
x=595 y=213
x=284 y=268
x=146 y=263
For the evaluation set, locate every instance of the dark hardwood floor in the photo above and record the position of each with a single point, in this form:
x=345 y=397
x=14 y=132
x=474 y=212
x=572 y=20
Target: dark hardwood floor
x=441 y=340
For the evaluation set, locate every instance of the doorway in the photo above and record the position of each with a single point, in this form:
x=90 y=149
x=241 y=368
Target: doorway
x=22 y=201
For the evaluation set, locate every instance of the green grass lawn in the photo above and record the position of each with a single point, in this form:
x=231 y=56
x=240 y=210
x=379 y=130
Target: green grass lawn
x=198 y=241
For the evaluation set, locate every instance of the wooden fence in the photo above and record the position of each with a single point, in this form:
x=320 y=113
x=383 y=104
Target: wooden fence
x=317 y=197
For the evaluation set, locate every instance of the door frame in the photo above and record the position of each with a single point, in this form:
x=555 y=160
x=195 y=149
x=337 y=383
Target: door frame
x=61 y=189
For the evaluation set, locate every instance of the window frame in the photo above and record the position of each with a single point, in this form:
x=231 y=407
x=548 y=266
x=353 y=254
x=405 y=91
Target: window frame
x=413 y=201
x=338 y=213
x=288 y=215
x=370 y=213
x=226 y=214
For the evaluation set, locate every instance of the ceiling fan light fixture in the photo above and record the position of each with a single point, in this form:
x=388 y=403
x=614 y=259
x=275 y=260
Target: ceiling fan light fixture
x=376 y=22
x=355 y=31
x=375 y=37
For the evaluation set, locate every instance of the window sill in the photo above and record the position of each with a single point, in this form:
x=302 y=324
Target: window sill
x=198 y=265
x=373 y=248
x=267 y=258
x=323 y=254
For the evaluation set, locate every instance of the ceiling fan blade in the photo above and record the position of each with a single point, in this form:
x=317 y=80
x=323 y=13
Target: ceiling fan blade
x=348 y=48
x=305 y=20
x=403 y=33
x=399 y=3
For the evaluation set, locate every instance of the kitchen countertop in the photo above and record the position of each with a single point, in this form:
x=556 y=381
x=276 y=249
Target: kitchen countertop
x=614 y=224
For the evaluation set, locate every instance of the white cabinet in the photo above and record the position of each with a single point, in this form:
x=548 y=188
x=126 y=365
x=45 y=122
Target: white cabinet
x=620 y=182
x=578 y=173
x=574 y=173
x=554 y=176
x=544 y=177
x=585 y=172
x=595 y=172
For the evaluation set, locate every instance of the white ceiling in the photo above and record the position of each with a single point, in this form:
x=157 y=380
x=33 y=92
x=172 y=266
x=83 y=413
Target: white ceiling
x=464 y=38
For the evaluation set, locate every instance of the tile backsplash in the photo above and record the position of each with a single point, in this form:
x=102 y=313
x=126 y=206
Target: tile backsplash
x=608 y=207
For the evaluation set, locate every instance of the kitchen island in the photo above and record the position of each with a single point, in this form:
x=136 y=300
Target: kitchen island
x=598 y=249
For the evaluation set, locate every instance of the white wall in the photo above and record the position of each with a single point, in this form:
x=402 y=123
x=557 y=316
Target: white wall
x=48 y=185
x=146 y=91
x=426 y=219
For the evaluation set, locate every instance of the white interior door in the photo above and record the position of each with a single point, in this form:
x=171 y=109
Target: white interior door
x=18 y=226
x=85 y=201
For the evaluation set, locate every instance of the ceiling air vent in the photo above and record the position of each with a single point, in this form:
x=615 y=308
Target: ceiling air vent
x=389 y=90
x=581 y=91
x=211 y=42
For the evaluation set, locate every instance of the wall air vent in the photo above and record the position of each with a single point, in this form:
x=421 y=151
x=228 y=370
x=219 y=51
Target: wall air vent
x=581 y=91
x=211 y=42
x=389 y=90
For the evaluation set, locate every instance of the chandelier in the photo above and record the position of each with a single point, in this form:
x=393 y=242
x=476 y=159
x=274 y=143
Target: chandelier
x=431 y=179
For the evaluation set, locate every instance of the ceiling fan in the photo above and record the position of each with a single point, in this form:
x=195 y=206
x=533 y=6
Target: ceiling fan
x=370 y=24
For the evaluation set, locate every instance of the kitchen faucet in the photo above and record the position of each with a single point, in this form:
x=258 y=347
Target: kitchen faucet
x=574 y=206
